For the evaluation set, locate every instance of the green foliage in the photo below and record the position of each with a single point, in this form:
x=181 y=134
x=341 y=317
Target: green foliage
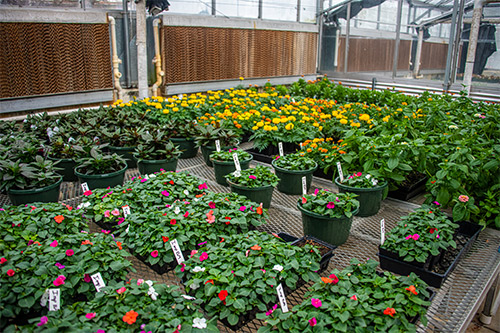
x=294 y=161
x=326 y=203
x=254 y=177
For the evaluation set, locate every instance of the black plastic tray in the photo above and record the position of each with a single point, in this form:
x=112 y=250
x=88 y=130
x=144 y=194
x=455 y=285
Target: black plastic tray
x=406 y=194
x=467 y=229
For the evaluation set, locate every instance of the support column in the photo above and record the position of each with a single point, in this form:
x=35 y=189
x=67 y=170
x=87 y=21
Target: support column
x=142 y=62
x=471 y=51
x=398 y=36
x=418 y=53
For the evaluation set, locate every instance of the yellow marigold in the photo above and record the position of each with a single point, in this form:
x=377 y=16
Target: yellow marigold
x=364 y=117
x=343 y=121
x=166 y=111
x=386 y=118
x=289 y=126
x=175 y=109
x=276 y=120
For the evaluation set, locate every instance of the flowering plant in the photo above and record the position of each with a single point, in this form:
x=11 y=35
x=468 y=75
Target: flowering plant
x=420 y=234
x=17 y=175
x=209 y=133
x=242 y=273
x=324 y=202
x=356 y=297
x=228 y=155
x=464 y=207
x=295 y=161
x=361 y=180
x=154 y=145
x=254 y=177
x=136 y=305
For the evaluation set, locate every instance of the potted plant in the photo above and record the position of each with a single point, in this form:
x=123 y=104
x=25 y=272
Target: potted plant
x=257 y=184
x=154 y=152
x=209 y=134
x=327 y=215
x=62 y=150
x=370 y=191
x=182 y=131
x=223 y=163
x=290 y=169
x=101 y=170
x=30 y=182
x=122 y=141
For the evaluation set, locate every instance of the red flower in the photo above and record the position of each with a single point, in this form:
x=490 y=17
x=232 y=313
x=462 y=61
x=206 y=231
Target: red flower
x=119 y=244
x=432 y=230
x=412 y=289
x=260 y=211
x=334 y=278
x=165 y=239
x=171 y=182
x=59 y=218
x=304 y=200
x=211 y=204
x=3 y=260
x=390 y=312
x=87 y=193
x=173 y=221
x=210 y=281
x=130 y=317
x=11 y=272
x=222 y=296
x=256 y=248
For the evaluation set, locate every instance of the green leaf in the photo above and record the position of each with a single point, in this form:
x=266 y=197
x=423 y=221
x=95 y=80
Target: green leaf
x=116 y=265
x=239 y=304
x=27 y=302
x=392 y=163
x=232 y=319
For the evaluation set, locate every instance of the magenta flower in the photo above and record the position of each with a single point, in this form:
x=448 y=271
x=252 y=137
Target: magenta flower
x=242 y=208
x=70 y=252
x=463 y=198
x=90 y=315
x=115 y=212
x=316 y=191
x=54 y=243
x=316 y=302
x=154 y=254
x=202 y=186
x=87 y=193
x=415 y=236
x=165 y=193
x=107 y=213
x=252 y=177
x=330 y=205
x=436 y=203
x=408 y=237
x=313 y=321
x=121 y=290
x=437 y=236
x=359 y=174
x=100 y=331
x=86 y=278
x=186 y=214
x=143 y=180
x=204 y=256
x=211 y=204
x=59 y=280
x=183 y=265
x=43 y=321
x=59 y=265
x=120 y=220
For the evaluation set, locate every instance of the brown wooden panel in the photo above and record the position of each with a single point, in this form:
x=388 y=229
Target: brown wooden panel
x=433 y=55
x=202 y=54
x=48 y=58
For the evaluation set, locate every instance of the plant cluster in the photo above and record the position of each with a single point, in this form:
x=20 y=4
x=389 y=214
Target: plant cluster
x=360 y=180
x=294 y=161
x=254 y=177
x=327 y=203
x=227 y=155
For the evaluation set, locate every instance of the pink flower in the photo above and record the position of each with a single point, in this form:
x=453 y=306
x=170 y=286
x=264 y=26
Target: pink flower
x=242 y=208
x=252 y=177
x=436 y=203
x=107 y=213
x=3 y=260
x=304 y=200
x=354 y=298
x=211 y=204
x=90 y=315
x=408 y=237
x=59 y=265
x=54 y=243
x=165 y=193
x=183 y=265
x=437 y=236
x=313 y=321
x=143 y=180
x=415 y=236
x=86 y=278
x=70 y=252
x=186 y=214
x=334 y=278
x=115 y=212
x=11 y=272
x=330 y=205
x=140 y=281
x=202 y=186
x=154 y=254
x=121 y=290
x=59 y=280
x=120 y=220
x=87 y=193
x=316 y=191
x=463 y=198
x=43 y=321
x=359 y=174
x=193 y=252
x=204 y=256
x=316 y=302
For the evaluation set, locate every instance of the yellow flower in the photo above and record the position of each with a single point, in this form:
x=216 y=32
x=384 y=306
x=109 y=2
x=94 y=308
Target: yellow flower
x=276 y=120
x=364 y=117
x=289 y=126
x=343 y=121
x=386 y=118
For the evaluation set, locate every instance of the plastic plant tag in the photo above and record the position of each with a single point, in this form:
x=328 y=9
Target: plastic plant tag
x=127 y=230
x=98 y=281
x=177 y=251
x=280 y=149
x=217 y=145
x=44 y=299
x=85 y=187
x=304 y=185
x=301 y=146
x=126 y=211
x=237 y=173
x=282 y=298
x=382 y=231
x=341 y=174
x=236 y=162
x=54 y=299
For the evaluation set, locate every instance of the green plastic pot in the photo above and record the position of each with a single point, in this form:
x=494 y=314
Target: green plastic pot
x=261 y=194
x=369 y=199
x=48 y=193
x=102 y=181
x=222 y=168
x=68 y=168
x=291 y=180
x=127 y=153
x=147 y=167
x=334 y=231
x=188 y=147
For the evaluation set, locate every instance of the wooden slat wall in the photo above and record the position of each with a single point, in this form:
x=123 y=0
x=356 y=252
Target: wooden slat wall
x=433 y=56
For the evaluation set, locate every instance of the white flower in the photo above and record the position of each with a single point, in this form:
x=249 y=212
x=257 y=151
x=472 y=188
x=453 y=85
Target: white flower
x=152 y=292
x=190 y=298
x=186 y=192
x=198 y=269
x=152 y=175
x=200 y=323
x=452 y=127
x=278 y=268
x=149 y=283
x=177 y=210
x=194 y=286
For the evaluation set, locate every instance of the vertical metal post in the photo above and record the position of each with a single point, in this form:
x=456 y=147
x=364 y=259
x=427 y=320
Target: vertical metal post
x=142 y=62
x=214 y=11
x=347 y=32
x=319 y=21
x=126 y=44
x=260 y=10
x=458 y=38
x=408 y=19
x=379 y=10
x=298 y=10
x=398 y=36
x=451 y=40
x=471 y=51
x=418 y=53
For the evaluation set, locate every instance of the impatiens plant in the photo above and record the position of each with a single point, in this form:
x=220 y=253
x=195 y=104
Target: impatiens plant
x=324 y=202
x=360 y=180
x=254 y=177
x=241 y=274
x=421 y=234
x=356 y=299
x=295 y=161
x=137 y=305
x=227 y=155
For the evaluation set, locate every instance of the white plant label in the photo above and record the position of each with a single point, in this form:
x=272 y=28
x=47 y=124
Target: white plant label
x=217 y=145
x=304 y=185
x=282 y=298
x=98 y=281
x=177 y=251
x=126 y=211
x=382 y=231
x=301 y=146
x=236 y=162
x=341 y=174
x=280 y=149
x=85 y=187
x=128 y=228
x=54 y=299
x=44 y=299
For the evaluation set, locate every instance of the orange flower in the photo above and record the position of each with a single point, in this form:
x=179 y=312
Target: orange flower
x=210 y=281
x=59 y=218
x=259 y=210
x=119 y=244
x=87 y=242
x=390 y=312
x=130 y=317
x=256 y=248
x=326 y=280
x=412 y=289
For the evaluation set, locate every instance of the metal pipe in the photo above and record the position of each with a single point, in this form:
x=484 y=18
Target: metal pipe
x=259 y=16
x=320 y=43
x=398 y=36
x=418 y=53
x=214 y=11
x=140 y=41
x=347 y=32
x=451 y=41
x=456 y=45
x=127 y=43
x=298 y=10
x=157 y=58
x=116 y=61
x=471 y=51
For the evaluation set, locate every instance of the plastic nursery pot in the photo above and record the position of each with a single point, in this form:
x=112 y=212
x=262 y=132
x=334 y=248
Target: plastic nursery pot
x=369 y=198
x=207 y=150
x=291 y=180
x=150 y=166
x=127 y=154
x=103 y=180
x=222 y=168
x=334 y=231
x=48 y=193
x=262 y=194
x=188 y=147
x=68 y=168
